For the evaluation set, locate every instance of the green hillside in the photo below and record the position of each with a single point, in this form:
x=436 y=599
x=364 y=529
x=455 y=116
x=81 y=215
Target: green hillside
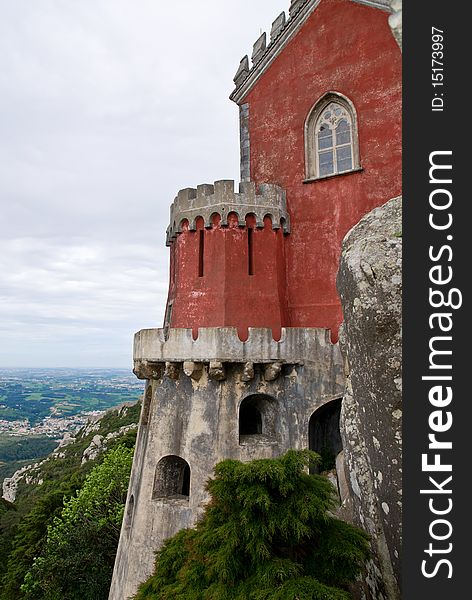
x=40 y=498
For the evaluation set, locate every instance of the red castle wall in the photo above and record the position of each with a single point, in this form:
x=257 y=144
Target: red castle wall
x=344 y=47
x=347 y=48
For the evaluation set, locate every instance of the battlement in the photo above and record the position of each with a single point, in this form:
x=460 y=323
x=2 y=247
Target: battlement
x=207 y=200
x=296 y=346
x=282 y=31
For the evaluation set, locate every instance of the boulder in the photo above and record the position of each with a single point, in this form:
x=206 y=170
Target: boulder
x=370 y=286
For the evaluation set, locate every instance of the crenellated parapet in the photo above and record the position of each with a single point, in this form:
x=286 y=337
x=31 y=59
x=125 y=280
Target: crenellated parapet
x=265 y=200
x=283 y=29
x=218 y=345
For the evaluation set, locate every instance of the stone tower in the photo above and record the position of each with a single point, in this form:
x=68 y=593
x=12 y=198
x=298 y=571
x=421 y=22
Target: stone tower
x=216 y=392
x=247 y=365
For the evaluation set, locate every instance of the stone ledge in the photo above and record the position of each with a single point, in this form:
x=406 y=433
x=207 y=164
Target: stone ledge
x=296 y=346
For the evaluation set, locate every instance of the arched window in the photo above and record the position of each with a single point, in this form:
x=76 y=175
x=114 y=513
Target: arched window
x=331 y=143
x=172 y=479
x=257 y=419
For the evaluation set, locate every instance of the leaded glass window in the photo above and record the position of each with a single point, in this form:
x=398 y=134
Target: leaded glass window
x=334 y=140
x=331 y=144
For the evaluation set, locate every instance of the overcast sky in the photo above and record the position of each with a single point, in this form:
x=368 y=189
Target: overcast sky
x=107 y=109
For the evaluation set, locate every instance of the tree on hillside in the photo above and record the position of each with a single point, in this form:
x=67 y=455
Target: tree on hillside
x=21 y=542
x=268 y=533
x=77 y=560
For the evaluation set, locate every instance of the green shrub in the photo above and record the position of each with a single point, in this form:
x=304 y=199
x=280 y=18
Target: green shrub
x=267 y=534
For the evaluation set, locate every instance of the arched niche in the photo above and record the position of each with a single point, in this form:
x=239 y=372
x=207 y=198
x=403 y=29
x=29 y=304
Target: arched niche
x=324 y=434
x=146 y=404
x=257 y=419
x=129 y=513
x=171 y=479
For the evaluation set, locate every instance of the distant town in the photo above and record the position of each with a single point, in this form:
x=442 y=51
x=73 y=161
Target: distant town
x=51 y=426
x=51 y=402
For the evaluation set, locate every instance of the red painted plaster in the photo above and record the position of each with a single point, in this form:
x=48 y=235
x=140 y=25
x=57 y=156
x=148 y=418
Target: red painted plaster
x=226 y=294
x=343 y=47
x=347 y=48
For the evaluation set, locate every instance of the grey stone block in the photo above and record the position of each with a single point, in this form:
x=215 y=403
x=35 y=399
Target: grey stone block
x=277 y=26
x=242 y=72
x=259 y=48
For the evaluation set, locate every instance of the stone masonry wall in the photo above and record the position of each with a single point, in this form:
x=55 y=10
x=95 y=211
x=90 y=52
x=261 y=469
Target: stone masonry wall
x=191 y=410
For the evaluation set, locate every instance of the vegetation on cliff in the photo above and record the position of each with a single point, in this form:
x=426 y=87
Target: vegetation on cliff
x=267 y=534
x=42 y=497
x=17 y=451
x=79 y=553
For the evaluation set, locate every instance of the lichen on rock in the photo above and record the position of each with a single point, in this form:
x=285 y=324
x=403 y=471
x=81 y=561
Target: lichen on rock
x=370 y=286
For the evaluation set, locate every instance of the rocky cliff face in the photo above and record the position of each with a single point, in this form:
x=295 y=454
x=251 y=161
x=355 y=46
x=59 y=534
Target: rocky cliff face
x=369 y=283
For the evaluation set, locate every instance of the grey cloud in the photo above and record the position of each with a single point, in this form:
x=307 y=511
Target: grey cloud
x=107 y=108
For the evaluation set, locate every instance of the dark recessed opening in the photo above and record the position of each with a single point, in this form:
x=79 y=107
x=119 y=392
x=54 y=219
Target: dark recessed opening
x=146 y=405
x=172 y=479
x=129 y=513
x=250 y=420
x=258 y=416
x=250 y=251
x=201 y=250
x=186 y=481
x=168 y=315
x=325 y=436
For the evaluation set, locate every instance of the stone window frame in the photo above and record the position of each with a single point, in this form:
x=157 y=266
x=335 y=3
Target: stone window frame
x=310 y=138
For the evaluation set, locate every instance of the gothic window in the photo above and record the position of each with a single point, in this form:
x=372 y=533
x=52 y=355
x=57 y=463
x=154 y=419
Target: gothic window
x=331 y=144
x=172 y=479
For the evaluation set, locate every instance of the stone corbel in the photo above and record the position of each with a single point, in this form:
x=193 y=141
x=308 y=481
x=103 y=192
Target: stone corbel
x=217 y=371
x=272 y=371
x=172 y=370
x=248 y=372
x=193 y=369
x=144 y=369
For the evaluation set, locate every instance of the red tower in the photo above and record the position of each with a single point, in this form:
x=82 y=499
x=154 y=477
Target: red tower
x=227 y=258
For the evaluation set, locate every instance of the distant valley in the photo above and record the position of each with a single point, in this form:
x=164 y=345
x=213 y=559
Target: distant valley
x=38 y=406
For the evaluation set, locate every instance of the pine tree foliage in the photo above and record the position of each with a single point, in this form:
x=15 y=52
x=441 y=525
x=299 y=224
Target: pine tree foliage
x=78 y=556
x=268 y=533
